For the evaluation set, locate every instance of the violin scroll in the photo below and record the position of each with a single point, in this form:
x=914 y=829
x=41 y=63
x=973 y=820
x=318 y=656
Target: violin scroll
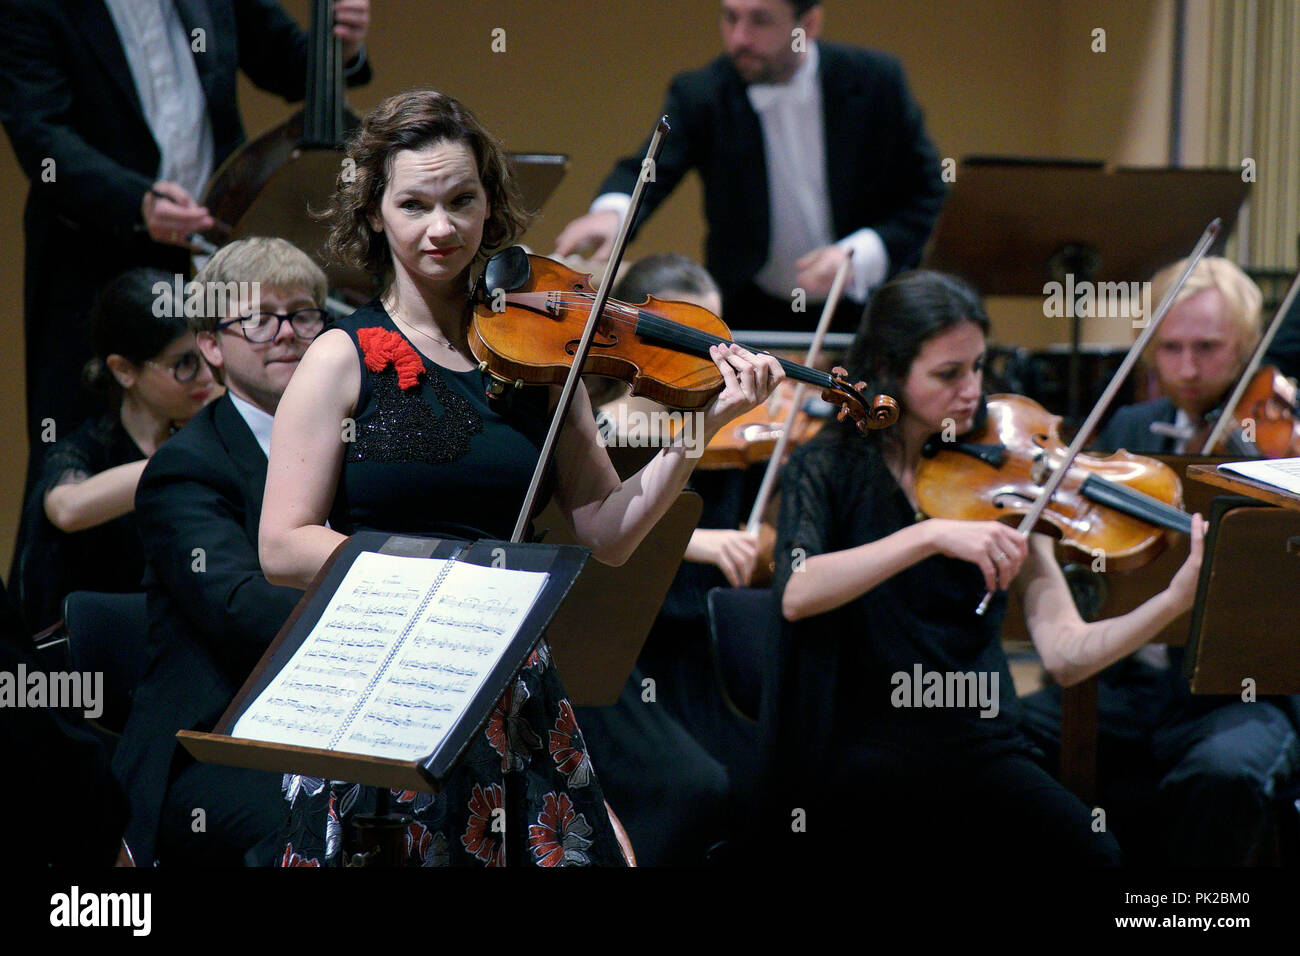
x=880 y=412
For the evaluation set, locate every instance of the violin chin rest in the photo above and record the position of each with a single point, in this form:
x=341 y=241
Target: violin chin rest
x=508 y=270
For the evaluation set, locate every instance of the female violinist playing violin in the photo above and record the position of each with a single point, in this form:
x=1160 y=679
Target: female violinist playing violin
x=896 y=682
x=432 y=197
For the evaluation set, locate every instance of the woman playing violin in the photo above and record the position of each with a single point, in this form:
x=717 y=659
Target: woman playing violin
x=899 y=682
x=386 y=426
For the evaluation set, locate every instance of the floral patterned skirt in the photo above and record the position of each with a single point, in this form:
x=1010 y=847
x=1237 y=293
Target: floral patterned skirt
x=523 y=794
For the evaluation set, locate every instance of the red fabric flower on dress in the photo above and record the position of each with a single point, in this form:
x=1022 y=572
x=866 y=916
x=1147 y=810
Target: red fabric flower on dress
x=481 y=838
x=382 y=348
x=293 y=859
x=508 y=732
x=540 y=657
x=424 y=847
x=561 y=834
x=566 y=748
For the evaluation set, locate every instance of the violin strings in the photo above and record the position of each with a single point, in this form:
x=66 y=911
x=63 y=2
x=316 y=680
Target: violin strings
x=683 y=335
x=1164 y=512
x=1143 y=505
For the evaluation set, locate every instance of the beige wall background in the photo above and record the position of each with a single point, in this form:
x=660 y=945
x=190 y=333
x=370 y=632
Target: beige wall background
x=1010 y=77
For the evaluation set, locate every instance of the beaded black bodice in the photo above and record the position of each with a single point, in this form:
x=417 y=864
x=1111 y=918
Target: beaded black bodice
x=435 y=456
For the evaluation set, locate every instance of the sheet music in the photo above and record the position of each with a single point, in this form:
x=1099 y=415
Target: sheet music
x=308 y=701
x=444 y=662
x=1282 y=473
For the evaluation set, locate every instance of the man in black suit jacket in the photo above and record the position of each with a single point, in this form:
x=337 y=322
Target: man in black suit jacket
x=788 y=188
x=1131 y=428
x=77 y=121
x=212 y=613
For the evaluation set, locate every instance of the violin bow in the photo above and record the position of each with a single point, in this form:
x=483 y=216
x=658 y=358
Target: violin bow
x=1030 y=520
x=584 y=344
x=783 y=439
x=1226 y=416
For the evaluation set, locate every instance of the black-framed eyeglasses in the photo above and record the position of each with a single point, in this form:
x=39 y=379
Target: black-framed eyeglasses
x=183 y=369
x=265 y=326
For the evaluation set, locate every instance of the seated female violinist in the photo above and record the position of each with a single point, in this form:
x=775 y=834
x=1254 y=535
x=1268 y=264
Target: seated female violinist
x=78 y=531
x=902 y=731
x=432 y=198
x=1191 y=778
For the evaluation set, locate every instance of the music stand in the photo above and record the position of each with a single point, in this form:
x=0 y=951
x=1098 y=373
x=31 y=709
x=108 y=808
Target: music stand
x=1243 y=620
x=1011 y=224
x=598 y=636
x=537 y=175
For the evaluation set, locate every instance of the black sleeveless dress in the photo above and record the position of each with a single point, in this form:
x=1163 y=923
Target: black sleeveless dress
x=429 y=454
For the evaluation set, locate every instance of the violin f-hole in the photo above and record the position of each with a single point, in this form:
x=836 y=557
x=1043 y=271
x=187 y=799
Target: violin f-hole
x=571 y=346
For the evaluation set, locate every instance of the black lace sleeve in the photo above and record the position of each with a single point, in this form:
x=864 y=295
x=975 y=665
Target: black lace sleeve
x=807 y=511
x=80 y=455
x=823 y=485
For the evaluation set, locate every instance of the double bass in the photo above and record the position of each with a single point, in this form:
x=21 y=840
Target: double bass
x=271 y=185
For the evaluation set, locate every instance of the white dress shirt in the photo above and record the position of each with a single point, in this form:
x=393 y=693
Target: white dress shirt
x=1183 y=424
x=794 y=143
x=162 y=65
x=259 y=423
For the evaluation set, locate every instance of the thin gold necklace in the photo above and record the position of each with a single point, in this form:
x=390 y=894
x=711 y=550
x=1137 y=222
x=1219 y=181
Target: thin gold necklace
x=392 y=310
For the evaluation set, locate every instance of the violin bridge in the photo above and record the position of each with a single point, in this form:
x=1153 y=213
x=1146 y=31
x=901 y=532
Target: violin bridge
x=1041 y=472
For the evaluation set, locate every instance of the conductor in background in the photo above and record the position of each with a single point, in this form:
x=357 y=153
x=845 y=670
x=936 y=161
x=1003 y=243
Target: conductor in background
x=806 y=150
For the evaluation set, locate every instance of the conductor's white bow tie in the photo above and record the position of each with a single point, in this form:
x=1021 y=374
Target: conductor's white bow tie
x=762 y=96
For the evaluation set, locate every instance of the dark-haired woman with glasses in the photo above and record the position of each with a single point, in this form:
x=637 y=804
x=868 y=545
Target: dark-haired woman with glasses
x=78 y=532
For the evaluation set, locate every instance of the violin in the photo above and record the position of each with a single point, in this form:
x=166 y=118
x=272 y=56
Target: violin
x=1264 y=421
x=1258 y=418
x=530 y=313
x=1121 y=507
x=1048 y=475
x=750 y=438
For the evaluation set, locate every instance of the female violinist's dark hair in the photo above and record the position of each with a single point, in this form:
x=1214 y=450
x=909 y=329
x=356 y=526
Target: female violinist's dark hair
x=903 y=315
x=414 y=119
x=137 y=315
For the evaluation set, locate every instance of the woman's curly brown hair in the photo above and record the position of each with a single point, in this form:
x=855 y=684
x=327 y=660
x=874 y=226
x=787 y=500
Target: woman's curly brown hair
x=414 y=119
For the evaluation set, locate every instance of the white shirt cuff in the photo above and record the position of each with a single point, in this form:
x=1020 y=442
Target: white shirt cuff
x=618 y=202
x=870 y=262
